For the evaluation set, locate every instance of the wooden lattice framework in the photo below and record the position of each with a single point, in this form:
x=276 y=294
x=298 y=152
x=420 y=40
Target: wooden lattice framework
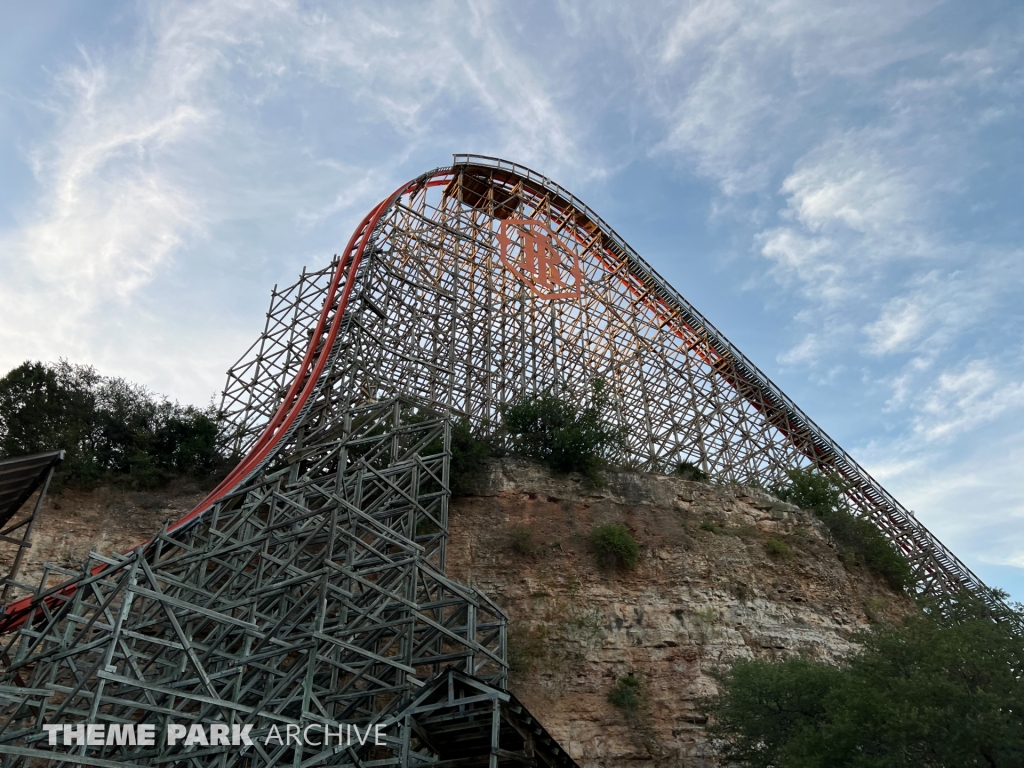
x=438 y=316
x=309 y=585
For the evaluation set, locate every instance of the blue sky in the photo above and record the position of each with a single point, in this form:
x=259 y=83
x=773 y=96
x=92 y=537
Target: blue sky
x=838 y=190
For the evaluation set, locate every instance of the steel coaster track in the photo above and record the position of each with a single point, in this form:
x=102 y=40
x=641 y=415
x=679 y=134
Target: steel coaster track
x=288 y=416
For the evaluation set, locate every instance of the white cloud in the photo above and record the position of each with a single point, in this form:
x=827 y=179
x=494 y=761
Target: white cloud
x=697 y=25
x=901 y=322
x=959 y=401
x=807 y=350
x=807 y=259
x=108 y=215
x=849 y=213
x=175 y=149
x=416 y=65
x=966 y=493
x=843 y=185
x=748 y=68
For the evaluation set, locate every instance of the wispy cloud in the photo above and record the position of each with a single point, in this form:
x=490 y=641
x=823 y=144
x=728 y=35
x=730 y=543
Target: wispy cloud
x=161 y=146
x=962 y=399
x=751 y=68
x=108 y=213
x=937 y=308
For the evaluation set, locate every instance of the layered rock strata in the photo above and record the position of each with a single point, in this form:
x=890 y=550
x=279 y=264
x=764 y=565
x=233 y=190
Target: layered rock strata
x=725 y=573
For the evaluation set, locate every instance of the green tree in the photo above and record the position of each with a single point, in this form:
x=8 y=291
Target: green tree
x=628 y=695
x=469 y=456
x=687 y=470
x=49 y=408
x=109 y=427
x=560 y=434
x=943 y=689
x=812 y=491
x=858 y=539
x=185 y=440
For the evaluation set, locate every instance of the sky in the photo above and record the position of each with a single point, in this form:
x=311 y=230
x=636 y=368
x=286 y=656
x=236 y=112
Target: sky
x=836 y=186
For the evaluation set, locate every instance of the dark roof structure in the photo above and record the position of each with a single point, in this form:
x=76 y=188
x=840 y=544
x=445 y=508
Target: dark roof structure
x=465 y=722
x=22 y=476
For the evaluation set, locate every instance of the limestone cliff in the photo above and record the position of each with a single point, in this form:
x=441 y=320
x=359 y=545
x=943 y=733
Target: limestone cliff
x=74 y=523
x=706 y=591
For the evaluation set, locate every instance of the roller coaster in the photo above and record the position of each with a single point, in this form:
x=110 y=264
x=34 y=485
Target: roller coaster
x=309 y=587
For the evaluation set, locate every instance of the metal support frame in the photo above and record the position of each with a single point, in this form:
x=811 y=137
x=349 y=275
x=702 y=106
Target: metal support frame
x=270 y=364
x=19 y=478
x=458 y=721
x=313 y=594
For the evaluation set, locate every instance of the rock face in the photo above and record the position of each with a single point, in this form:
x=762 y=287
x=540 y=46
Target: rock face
x=706 y=592
x=74 y=523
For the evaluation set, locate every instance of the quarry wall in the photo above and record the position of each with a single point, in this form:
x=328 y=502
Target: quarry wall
x=710 y=588
x=706 y=592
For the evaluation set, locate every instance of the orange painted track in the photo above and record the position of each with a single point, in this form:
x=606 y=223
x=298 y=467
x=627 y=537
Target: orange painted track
x=302 y=388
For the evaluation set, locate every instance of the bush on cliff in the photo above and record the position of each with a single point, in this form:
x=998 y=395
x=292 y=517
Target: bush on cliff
x=858 y=539
x=111 y=429
x=687 y=470
x=614 y=546
x=469 y=457
x=628 y=695
x=560 y=434
x=941 y=689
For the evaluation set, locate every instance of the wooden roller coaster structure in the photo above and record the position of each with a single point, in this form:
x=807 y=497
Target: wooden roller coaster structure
x=309 y=587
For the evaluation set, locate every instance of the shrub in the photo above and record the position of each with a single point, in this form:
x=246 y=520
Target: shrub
x=526 y=647
x=690 y=471
x=866 y=543
x=559 y=434
x=858 y=539
x=741 y=591
x=468 y=453
x=710 y=526
x=615 y=547
x=469 y=457
x=936 y=690
x=874 y=608
x=777 y=549
x=627 y=694
x=811 y=491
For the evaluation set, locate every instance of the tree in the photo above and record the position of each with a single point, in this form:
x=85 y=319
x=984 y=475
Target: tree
x=858 y=539
x=49 y=408
x=560 y=434
x=109 y=427
x=615 y=546
x=941 y=689
x=469 y=457
x=687 y=470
